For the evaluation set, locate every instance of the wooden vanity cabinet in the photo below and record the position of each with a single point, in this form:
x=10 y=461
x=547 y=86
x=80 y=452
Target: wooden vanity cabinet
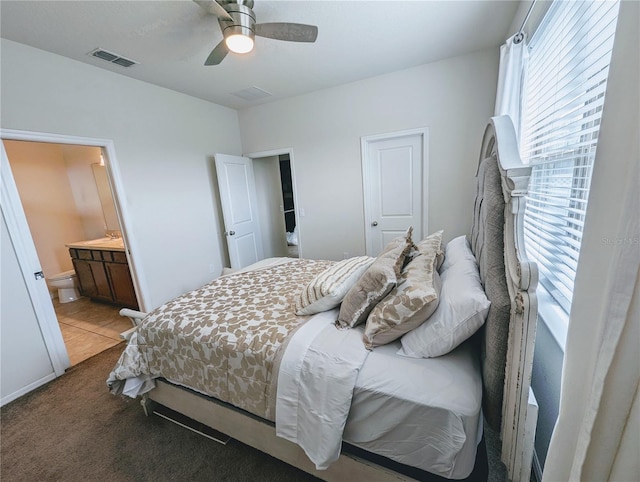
x=105 y=276
x=92 y=279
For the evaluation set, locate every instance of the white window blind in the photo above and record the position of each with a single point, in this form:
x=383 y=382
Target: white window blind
x=563 y=99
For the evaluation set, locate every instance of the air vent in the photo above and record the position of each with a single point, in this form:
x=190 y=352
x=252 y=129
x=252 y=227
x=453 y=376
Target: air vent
x=124 y=62
x=252 y=93
x=111 y=57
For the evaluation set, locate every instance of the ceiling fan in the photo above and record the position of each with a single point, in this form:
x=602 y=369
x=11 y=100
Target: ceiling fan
x=238 y=24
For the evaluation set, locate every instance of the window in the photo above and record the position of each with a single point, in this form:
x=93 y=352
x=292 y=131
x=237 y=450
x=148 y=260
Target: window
x=564 y=92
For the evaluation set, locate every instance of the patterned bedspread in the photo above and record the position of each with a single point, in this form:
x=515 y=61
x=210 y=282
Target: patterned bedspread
x=223 y=339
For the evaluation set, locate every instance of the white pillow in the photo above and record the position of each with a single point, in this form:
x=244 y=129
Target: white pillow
x=328 y=289
x=456 y=250
x=462 y=311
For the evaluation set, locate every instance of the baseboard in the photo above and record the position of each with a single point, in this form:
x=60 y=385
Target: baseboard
x=24 y=390
x=537 y=468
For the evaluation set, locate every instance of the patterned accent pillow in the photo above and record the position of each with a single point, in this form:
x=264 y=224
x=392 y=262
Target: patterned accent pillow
x=409 y=249
x=328 y=289
x=376 y=282
x=412 y=301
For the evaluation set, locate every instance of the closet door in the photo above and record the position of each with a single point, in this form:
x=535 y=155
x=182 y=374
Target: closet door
x=394 y=175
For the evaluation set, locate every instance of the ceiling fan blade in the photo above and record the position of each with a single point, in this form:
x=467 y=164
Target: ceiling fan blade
x=214 y=8
x=293 y=32
x=218 y=54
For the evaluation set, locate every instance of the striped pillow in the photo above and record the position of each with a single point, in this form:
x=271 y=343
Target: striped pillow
x=327 y=290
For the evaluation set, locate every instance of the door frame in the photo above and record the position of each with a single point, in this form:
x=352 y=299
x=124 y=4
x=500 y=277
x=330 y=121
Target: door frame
x=280 y=152
x=365 y=142
x=24 y=246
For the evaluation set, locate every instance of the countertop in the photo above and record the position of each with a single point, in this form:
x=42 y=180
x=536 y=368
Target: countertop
x=104 y=244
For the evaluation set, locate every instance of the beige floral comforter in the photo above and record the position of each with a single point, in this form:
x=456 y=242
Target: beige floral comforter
x=223 y=339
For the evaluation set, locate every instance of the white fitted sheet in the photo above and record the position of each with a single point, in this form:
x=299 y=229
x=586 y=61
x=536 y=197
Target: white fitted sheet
x=426 y=413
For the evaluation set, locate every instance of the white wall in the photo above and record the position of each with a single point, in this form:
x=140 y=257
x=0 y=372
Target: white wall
x=453 y=98
x=164 y=143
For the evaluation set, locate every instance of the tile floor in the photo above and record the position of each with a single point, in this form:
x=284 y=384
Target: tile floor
x=89 y=327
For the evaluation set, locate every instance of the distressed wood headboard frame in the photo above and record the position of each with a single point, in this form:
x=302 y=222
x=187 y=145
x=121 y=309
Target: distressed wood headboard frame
x=509 y=334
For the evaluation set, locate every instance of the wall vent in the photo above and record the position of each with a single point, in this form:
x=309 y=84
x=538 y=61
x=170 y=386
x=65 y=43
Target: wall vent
x=252 y=93
x=111 y=57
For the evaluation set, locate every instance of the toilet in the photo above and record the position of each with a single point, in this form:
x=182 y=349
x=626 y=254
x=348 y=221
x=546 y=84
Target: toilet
x=65 y=283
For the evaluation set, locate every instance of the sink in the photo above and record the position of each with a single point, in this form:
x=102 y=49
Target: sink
x=95 y=241
x=105 y=243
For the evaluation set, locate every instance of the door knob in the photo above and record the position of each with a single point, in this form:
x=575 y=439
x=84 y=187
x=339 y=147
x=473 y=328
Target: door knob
x=231 y=233
x=374 y=224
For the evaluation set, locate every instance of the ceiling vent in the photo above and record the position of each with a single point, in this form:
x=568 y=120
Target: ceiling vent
x=252 y=93
x=111 y=57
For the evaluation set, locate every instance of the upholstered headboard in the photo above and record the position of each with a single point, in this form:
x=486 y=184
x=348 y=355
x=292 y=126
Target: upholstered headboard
x=509 y=280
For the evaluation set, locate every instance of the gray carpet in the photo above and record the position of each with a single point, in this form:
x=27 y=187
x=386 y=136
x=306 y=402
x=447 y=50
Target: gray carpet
x=73 y=429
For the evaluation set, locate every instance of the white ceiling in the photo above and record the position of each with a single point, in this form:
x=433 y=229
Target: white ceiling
x=172 y=39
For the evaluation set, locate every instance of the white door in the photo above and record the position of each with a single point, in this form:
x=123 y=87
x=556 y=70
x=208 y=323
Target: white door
x=27 y=257
x=394 y=174
x=239 y=209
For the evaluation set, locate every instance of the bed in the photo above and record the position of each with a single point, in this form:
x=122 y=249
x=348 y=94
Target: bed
x=321 y=382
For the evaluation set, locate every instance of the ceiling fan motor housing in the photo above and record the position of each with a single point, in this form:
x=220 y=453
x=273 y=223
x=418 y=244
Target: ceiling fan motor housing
x=243 y=19
x=239 y=28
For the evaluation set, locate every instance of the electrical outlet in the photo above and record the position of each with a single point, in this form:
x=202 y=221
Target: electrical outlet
x=345 y=255
x=212 y=268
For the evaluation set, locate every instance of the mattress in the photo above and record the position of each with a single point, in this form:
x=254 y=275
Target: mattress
x=425 y=413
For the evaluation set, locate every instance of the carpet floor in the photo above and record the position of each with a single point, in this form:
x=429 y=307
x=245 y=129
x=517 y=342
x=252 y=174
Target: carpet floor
x=73 y=429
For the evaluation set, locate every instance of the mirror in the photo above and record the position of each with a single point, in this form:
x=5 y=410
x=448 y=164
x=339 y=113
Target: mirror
x=106 y=198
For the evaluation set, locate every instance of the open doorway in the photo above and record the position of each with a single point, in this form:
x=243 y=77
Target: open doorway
x=275 y=192
x=288 y=205
x=64 y=199
x=253 y=206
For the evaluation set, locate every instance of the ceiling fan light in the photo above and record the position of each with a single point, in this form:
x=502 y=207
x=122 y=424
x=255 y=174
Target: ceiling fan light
x=238 y=43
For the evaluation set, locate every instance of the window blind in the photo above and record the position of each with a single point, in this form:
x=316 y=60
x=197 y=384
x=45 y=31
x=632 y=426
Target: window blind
x=563 y=98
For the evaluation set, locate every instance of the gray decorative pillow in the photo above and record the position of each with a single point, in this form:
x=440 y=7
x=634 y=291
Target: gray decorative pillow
x=329 y=288
x=376 y=282
x=412 y=301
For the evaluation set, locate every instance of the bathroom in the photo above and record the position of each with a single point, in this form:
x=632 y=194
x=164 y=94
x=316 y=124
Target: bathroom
x=66 y=198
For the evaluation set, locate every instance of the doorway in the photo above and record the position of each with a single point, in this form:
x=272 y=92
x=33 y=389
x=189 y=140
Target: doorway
x=62 y=201
x=288 y=206
x=276 y=194
x=258 y=199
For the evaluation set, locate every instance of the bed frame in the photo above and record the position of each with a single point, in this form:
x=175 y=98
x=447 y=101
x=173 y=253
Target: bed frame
x=508 y=336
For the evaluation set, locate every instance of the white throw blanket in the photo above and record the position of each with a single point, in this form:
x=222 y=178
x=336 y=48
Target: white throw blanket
x=317 y=376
